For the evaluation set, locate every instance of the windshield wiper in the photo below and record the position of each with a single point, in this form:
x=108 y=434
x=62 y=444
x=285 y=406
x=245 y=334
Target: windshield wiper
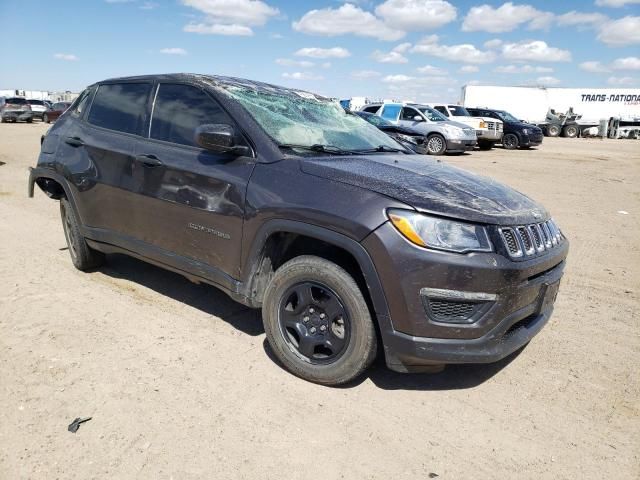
x=317 y=147
x=382 y=148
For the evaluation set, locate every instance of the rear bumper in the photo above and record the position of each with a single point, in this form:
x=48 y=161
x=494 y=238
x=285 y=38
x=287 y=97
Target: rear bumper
x=17 y=115
x=510 y=301
x=461 y=145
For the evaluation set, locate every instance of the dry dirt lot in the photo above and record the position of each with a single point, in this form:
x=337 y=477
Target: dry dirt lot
x=180 y=384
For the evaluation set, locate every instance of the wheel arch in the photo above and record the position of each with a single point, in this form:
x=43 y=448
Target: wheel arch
x=54 y=185
x=279 y=240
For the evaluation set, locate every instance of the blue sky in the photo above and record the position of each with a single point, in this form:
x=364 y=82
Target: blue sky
x=410 y=49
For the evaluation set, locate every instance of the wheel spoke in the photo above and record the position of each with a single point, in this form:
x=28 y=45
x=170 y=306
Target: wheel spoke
x=332 y=307
x=334 y=343
x=307 y=345
x=305 y=298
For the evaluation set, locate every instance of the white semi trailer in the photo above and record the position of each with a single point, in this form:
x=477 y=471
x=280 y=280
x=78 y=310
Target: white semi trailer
x=570 y=111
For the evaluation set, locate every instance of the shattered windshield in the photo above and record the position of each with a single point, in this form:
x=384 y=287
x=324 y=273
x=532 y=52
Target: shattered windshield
x=303 y=119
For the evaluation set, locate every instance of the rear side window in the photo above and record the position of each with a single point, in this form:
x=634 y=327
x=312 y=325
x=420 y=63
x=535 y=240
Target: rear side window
x=409 y=114
x=120 y=106
x=373 y=109
x=442 y=110
x=390 y=112
x=179 y=110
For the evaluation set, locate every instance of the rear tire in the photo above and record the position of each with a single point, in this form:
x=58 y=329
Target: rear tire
x=317 y=321
x=30 y=120
x=553 y=130
x=436 y=144
x=570 y=131
x=45 y=118
x=83 y=257
x=510 y=141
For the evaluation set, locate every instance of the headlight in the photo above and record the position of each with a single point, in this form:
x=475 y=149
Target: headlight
x=407 y=138
x=453 y=132
x=482 y=124
x=526 y=131
x=439 y=233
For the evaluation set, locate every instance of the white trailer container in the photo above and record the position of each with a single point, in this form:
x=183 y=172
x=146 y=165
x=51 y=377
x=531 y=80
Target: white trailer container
x=533 y=104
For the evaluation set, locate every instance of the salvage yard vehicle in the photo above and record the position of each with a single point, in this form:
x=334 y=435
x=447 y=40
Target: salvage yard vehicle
x=38 y=108
x=517 y=134
x=14 y=109
x=57 y=109
x=409 y=137
x=488 y=130
x=443 y=135
x=350 y=243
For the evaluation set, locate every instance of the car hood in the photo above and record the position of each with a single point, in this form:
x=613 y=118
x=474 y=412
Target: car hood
x=430 y=186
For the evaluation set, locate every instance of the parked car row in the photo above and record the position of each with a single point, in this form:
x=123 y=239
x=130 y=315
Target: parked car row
x=14 y=109
x=438 y=128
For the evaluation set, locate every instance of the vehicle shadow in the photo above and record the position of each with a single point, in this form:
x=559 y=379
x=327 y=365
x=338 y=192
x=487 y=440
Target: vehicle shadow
x=453 y=377
x=214 y=302
x=204 y=297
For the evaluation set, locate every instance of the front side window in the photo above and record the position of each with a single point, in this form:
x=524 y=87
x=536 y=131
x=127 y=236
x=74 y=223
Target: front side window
x=458 y=111
x=409 y=114
x=292 y=117
x=432 y=115
x=81 y=103
x=120 y=106
x=179 y=110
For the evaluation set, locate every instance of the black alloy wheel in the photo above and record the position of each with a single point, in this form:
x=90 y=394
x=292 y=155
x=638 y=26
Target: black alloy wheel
x=314 y=322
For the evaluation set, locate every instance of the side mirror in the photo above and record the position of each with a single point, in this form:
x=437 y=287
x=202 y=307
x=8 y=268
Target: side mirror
x=219 y=137
x=418 y=118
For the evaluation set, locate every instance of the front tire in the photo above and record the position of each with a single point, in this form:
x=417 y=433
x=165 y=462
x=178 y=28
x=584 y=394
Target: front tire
x=436 y=144
x=510 y=141
x=83 y=257
x=317 y=321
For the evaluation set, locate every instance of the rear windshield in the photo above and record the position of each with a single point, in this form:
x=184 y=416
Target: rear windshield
x=17 y=101
x=35 y=102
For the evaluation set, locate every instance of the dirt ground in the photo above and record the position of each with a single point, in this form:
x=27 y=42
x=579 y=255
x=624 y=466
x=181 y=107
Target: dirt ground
x=180 y=384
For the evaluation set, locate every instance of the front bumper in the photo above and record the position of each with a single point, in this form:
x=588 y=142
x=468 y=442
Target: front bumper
x=489 y=135
x=461 y=145
x=531 y=140
x=519 y=299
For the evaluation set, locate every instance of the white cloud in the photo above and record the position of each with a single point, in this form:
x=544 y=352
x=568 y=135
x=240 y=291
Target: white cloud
x=409 y=15
x=593 y=67
x=624 y=31
x=431 y=70
x=505 y=18
x=364 y=74
x=69 y=57
x=347 y=19
x=628 y=63
x=394 y=56
x=287 y=62
x=469 y=69
x=578 y=18
x=398 y=78
x=621 y=81
x=522 y=69
x=535 y=51
x=173 y=51
x=301 y=76
x=547 y=81
x=494 y=43
x=229 y=17
x=615 y=3
x=313 y=52
x=218 y=29
x=463 y=53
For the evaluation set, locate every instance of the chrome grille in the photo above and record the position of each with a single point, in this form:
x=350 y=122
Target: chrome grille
x=527 y=240
x=491 y=125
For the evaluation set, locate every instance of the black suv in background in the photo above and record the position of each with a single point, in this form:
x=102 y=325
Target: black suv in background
x=350 y=243
x=517 y=134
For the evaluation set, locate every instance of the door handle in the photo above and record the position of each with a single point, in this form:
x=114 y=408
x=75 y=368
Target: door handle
x=149 y=160
x=74 y=141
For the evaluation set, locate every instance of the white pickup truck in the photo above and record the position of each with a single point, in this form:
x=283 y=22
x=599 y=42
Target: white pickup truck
x=488 y=130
